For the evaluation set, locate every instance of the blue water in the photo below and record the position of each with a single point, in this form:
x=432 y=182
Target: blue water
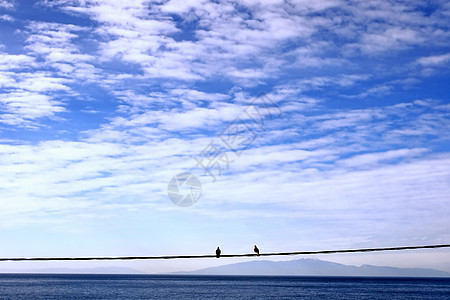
x=67 y=286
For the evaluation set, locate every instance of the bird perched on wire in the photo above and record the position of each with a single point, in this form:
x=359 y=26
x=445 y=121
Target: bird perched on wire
x=218 y=252
x=256 y=250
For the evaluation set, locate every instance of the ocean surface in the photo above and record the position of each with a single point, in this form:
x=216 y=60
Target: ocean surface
x=67 y=286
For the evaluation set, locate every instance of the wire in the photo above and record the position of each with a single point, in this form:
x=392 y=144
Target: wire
x=223 y=255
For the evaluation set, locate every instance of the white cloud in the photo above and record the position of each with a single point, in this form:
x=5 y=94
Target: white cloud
x=23 y=106
x=7 y=4
x=224 y=35
x=175 y=120
x=369 y=159
x=54 y=43
x=7 y=18
x=182 y=6
x=382 y=193
x=240 y=41
x=11 y=61
x=315 y=6
x=27 y=97
x=390 y=39
x=435 y=60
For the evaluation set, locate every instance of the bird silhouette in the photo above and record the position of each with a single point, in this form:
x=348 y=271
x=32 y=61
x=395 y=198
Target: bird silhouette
x=218 y=252
x=256 y=250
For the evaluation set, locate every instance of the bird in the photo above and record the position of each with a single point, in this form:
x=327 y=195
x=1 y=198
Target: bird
x=218 y=252
x=256 y=250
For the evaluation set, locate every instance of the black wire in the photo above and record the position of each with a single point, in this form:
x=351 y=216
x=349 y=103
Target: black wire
x=223 y=255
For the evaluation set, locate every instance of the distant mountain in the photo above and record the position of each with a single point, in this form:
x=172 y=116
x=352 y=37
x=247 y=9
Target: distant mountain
x=314 y=267
x=299 y=267
x=100 y=270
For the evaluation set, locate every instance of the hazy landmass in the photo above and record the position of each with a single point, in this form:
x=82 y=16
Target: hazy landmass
x=100 y=270
x=298 y=267
x=315 y=267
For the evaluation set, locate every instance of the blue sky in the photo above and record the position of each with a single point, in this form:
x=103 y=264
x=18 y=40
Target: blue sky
x=103 y=102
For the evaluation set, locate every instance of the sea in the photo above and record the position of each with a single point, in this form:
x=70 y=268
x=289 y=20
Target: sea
x=79 y=286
